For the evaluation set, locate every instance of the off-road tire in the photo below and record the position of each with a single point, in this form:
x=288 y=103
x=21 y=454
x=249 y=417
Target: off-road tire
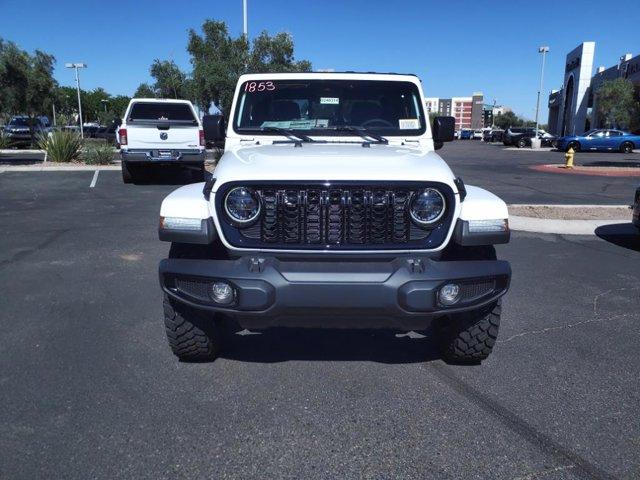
x=192 y=335
x=469 y=337
x=626 y=147
x=127 y=177
x=574 y=145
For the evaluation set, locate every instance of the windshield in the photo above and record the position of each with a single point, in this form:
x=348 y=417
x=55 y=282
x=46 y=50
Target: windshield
x=324 y=107
x=23 y=122
x=161 y=112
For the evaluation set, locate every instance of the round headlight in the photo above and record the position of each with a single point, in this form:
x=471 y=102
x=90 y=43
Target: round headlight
x=242 y=205
x=427 y=206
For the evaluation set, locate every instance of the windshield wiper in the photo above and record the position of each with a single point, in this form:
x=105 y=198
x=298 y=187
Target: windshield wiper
x=290 y=134
x=363 y=132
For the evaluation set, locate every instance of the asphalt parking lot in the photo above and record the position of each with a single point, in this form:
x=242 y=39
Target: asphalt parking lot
x=91 y=390
x=507 y=173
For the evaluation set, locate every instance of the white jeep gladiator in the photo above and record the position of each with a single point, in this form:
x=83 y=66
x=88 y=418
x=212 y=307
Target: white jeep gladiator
x=331 y=209
x=160 y=132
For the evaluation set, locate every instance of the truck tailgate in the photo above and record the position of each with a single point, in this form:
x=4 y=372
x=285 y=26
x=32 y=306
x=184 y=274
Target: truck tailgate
x=170 y=137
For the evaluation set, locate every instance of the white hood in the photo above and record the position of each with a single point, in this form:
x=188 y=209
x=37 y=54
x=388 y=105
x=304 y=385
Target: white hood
x=331 y=162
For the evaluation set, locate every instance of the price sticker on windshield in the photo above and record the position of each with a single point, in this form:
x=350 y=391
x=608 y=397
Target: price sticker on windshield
x=409 y=124
x=253 y=87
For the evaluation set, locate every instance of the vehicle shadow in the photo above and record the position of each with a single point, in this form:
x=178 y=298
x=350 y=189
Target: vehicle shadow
x=283 y=344
x=167 y=175
x=624 y=235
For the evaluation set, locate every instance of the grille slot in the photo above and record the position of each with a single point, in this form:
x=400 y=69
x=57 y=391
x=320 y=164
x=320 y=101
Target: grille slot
x=339 y=216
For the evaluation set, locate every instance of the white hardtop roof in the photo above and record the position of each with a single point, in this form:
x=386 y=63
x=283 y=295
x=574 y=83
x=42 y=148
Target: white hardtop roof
x=330 y=76
x=160 y=100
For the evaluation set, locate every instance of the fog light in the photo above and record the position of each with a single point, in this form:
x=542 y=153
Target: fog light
x=449 y=294
x=222 y=293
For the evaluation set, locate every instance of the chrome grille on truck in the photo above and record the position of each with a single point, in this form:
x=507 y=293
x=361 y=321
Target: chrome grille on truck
x=340 y=216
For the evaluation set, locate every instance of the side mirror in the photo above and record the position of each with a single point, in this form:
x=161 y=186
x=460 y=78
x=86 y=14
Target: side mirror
x=443 y=130
x=214 y=128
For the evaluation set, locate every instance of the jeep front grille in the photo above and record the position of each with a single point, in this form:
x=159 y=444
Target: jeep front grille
x=340 y=217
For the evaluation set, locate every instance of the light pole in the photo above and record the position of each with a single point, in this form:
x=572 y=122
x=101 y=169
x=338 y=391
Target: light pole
x=77 y=66
x=543 y=50
x=244 y=19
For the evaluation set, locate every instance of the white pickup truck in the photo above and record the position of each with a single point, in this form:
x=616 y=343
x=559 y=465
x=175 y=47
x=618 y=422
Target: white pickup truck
x=331 y=208
x=160 y=132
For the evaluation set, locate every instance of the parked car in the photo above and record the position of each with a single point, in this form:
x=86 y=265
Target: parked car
x=524 y=140
x=636 y=208
x=512 y=134
x=108 y=133
x=493 y=135
x=23 y=130
x=301 y=226
x=160 y=132
x=607 y=140
x=466 y=134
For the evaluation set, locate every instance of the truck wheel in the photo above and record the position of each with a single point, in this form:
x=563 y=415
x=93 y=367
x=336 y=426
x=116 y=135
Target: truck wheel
x=192 y=336
x=126 y=173
x=469 y=337
x=626 y=147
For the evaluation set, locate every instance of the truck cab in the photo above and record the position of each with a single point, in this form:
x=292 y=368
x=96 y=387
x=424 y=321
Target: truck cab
x=330 y=208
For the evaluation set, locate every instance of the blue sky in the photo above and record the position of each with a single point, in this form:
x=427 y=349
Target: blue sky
x=456 y=47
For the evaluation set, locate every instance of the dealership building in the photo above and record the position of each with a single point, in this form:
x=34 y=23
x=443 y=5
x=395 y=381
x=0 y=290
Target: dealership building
x=573 y=108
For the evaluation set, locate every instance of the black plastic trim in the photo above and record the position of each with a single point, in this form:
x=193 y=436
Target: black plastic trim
x=205 y=236
x=280 y=290
x=462 y=190
x=463 y=237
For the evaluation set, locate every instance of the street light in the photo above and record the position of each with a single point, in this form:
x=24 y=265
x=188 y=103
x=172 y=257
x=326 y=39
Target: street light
x=245 y=20
x=543 y=50
x=78 y=66
x=104 y=102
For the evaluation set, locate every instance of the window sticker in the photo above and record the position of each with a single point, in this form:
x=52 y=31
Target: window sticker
x=329 y=101
x=409 y=124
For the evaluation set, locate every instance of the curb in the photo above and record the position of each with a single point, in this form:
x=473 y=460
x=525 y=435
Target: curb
x=560 y=227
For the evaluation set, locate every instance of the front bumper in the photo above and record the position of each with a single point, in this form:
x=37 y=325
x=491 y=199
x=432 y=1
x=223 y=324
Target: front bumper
x=400 y=293
x=163 y=156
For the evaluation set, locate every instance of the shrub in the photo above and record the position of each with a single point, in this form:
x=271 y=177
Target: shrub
x=98 y=154
x=4 y=140
x=61 y=146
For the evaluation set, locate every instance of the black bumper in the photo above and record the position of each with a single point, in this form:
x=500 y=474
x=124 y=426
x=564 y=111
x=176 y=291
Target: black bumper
x=163 y=156
x=399 y=293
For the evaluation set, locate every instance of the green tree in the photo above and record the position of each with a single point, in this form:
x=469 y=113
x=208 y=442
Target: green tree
x=218 y=59
x=26 y=81
x=506 y=120
x=616 y=103
x=171 y=82
x=119 y=104
x=144 y=90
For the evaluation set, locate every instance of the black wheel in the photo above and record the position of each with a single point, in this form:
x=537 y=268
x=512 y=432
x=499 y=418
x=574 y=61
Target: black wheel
x=126 y=173
x=626 y=147
x=521 y=143
x=574 y=145
x=193 y=335
x=469 y=337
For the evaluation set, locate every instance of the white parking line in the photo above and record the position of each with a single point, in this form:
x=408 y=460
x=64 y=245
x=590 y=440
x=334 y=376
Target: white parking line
x=95 y=179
